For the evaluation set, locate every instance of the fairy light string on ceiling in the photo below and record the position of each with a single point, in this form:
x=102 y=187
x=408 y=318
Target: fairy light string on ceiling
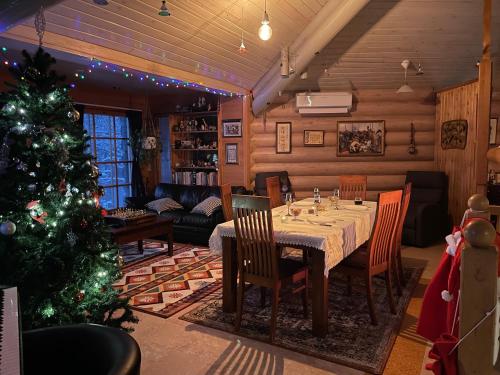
x=127 y=74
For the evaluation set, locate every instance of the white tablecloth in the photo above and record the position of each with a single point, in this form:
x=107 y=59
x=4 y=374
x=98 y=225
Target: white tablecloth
x=350 y=228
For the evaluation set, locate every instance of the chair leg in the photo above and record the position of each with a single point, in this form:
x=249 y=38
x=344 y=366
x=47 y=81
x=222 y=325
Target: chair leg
x=369 y=296
x=400 y=268
x=262 y=296
x=349 y=285
x=399 y=288
x=274 y=311
x=239 y=304
x=305 y=295
x=388 y=283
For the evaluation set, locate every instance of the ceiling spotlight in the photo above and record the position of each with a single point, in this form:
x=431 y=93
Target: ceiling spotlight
x=405 y=88
x=420 y=70
x=265 y=31
x=164 y=10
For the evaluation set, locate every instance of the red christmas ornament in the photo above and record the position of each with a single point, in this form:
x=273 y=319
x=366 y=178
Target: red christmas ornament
x=104 y=212
x=62 y=186
x=80 y=296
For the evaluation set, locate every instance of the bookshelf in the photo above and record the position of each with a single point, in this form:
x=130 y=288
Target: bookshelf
x=195 y=147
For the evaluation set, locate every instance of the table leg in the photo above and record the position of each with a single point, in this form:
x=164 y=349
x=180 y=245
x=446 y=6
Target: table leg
x=319 y=294
x=229 y=274
x=140 y=247
x=170 y=240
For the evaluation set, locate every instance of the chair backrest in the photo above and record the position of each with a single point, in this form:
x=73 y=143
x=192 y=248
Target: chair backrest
x=227 y=202
x=352 y=187
x=260 y=182
x=384 y=230
x=274 y=191
x=253 y=223
x=405 y=202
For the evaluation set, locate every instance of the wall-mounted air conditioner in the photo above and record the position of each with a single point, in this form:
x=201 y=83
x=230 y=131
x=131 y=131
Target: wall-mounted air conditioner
x=323 y=103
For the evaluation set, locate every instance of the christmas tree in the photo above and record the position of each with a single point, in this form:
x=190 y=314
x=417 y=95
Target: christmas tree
x=53 y=241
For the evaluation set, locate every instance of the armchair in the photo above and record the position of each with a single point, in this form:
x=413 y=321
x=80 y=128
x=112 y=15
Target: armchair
x=80 y=349
x=427 y=219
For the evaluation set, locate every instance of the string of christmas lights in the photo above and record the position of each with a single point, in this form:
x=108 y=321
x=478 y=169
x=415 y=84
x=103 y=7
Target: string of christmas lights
x=125 y=73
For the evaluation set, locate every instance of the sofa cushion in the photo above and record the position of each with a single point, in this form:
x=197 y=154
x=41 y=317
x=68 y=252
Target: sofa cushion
x=176 y=215
x=208 y=206
x=197 y=220
x=163 y=204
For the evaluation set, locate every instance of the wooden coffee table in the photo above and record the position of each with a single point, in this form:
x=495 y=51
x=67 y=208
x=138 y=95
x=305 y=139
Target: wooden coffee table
x=159 y=226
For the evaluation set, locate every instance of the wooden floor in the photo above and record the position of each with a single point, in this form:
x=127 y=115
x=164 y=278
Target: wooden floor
x=173 y=346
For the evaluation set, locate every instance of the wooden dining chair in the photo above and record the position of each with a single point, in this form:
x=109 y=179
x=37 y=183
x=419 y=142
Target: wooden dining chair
x=227 y=202
x=396 y=255
x=352 y=187
x=274 y=191
x=259 y=261
x=376 y=258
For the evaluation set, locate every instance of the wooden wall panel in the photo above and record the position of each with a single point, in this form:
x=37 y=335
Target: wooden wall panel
x=454 y=104
x=234 y=174
x=320 y=167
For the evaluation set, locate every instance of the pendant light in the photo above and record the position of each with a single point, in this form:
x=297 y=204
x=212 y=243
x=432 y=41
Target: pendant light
x=265 y=31
x=242 y=49
x=405 y=88
x=164 y=10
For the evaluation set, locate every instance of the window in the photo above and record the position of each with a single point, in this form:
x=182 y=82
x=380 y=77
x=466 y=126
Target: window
x=109 y=135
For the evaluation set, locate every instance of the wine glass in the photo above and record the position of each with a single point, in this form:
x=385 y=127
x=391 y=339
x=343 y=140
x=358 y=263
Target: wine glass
x=296 y=212
x=336 y=198
x=288 y=201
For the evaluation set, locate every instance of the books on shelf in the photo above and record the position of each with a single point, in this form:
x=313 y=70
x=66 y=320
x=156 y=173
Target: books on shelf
x=195 y=178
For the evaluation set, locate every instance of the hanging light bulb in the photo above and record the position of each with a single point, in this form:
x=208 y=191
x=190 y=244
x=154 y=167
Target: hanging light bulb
x=164 y=10
x=265 y=31
x=242 y=49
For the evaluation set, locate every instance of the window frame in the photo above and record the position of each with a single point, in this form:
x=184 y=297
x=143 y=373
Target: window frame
x=114 y=162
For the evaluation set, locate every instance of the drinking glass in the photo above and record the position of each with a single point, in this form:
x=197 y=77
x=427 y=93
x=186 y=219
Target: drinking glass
x=296 y=212
x=288 y=201
x=336 y=198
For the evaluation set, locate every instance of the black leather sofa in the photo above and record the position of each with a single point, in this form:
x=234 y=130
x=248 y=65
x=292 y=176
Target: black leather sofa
x=427 y=220
x=80 y=349
x=188 y=227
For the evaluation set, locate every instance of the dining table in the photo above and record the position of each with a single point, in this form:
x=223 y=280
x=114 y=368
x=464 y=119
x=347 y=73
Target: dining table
x=328 y=233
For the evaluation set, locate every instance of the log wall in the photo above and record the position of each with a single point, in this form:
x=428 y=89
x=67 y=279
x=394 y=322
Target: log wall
x=454 y=104
x=311 y=167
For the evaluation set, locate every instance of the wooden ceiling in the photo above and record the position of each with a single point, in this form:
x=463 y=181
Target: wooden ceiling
x=444 y=36
x=203 y=36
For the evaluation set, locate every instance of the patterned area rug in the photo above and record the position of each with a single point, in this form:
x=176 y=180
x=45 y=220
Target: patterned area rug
x=163 y=285
x=351 y=341
x=151 y=248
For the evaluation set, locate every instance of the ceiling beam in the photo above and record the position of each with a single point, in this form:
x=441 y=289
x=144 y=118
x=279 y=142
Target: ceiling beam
x=88 y=50
x=327 y=23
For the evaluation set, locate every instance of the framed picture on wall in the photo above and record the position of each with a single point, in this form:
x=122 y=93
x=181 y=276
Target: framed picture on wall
x=493 y=130
x=314 y=138
x=361 y=138
x=283 y=137
x=231 y=153
x=231 y=128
